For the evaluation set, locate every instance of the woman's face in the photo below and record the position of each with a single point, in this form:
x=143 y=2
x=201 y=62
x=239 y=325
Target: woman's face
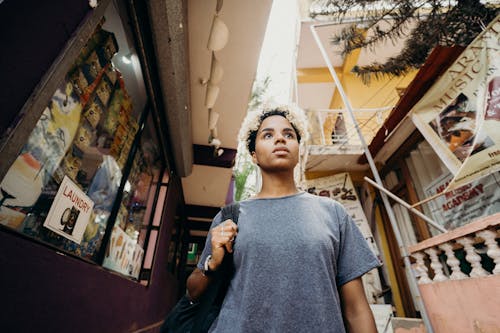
x=276 y=145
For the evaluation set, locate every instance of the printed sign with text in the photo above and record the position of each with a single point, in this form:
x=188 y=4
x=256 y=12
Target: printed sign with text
x=70 y=212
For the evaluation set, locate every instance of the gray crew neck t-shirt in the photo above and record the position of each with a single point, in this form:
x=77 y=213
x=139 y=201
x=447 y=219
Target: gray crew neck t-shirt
x=291 y=255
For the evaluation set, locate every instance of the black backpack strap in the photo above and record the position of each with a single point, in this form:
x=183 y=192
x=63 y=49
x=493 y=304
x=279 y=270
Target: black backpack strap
x=231 y=211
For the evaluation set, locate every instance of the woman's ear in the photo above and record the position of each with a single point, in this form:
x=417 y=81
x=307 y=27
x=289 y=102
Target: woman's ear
x=254 y=158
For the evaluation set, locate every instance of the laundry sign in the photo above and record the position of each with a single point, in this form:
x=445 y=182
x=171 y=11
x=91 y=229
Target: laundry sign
x=70 y=212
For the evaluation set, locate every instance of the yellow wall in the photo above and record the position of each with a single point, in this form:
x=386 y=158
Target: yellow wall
x=379 y=92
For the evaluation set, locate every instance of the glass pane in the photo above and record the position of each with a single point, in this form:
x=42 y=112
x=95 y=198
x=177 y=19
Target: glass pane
x=159 y=206
x=62 y=187
x=148 y=262
x=125 y=252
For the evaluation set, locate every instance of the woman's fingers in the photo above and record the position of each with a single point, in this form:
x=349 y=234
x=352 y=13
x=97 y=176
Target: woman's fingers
x=227 y=231
x=229 y=247
x=229 y=226
x=222 y=240
x=223 y=236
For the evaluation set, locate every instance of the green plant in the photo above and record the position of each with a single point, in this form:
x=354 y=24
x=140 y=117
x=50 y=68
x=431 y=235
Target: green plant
x=240 y=180
x=258 y=95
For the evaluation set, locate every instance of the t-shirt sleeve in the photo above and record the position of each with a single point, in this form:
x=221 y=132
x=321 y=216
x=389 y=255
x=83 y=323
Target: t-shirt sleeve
x=355 y=258
x=208 y=247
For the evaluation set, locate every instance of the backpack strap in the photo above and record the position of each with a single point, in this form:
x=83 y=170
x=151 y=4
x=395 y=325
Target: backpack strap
x=231 y=211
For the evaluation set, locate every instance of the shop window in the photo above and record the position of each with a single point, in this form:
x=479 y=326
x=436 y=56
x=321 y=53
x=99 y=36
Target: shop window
x=132 y=232
x=91 y=174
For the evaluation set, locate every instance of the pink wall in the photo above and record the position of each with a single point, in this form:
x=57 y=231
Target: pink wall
x=408 y=325
x=419 y=329
x=464 y=306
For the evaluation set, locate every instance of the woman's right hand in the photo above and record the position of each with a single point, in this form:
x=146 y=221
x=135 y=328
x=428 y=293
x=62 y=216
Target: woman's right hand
x=222 y=240
x=223 y=237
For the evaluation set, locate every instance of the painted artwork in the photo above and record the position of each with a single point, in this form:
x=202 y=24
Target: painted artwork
x=40 y=157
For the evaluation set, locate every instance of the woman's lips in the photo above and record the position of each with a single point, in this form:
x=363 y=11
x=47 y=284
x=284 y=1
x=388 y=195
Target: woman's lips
x=281 y=151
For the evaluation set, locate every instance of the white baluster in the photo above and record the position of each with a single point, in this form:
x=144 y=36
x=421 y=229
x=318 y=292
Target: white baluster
x=420 y=268
x=453 y=262
x=472 y=257
x=493 y=249
x=436 y=265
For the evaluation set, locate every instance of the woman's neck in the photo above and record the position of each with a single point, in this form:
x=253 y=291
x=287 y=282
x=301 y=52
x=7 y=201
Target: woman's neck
x=273 y=186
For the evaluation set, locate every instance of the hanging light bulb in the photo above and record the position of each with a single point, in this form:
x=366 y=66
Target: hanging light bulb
x=213 y=117
x=216 y=71
x=215 y=142
x=219 y=35
x=211 y=95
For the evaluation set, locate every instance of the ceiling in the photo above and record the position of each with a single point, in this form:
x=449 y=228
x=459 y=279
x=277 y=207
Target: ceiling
x=246 y=22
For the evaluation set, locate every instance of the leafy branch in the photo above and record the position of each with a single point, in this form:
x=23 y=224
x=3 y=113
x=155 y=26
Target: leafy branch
x=445 y=23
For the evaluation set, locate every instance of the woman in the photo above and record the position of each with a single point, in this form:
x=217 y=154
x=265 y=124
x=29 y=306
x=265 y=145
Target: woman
x=298 y=258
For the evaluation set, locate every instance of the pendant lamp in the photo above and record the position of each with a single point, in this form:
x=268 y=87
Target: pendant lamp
x=219 y=35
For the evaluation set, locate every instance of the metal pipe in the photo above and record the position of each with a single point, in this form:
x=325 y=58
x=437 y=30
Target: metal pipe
x=407 y=206
x=366 y=110
x=412 y=281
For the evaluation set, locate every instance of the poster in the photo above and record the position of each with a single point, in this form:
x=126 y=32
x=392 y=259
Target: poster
x=340 y=188
x=70 y=212
x=464 y=204
x=460 y=115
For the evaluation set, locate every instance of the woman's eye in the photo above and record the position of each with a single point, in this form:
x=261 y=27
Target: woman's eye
x=289 y=136
x=267 y=136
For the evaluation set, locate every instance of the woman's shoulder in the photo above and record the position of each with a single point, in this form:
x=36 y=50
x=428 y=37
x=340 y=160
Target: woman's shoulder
x=323 y=200
x=330 y=204
x=308 y=198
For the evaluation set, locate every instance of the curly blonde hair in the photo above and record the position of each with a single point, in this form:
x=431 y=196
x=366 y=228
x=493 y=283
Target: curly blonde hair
x=254 y=119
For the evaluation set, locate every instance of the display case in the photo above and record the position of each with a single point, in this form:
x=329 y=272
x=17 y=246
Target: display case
x=86 y=180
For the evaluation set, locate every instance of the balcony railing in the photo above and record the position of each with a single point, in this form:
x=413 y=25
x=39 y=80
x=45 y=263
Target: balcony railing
x=472 y=240
x=335 y=126
x=459 y=277
x=332 y=133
